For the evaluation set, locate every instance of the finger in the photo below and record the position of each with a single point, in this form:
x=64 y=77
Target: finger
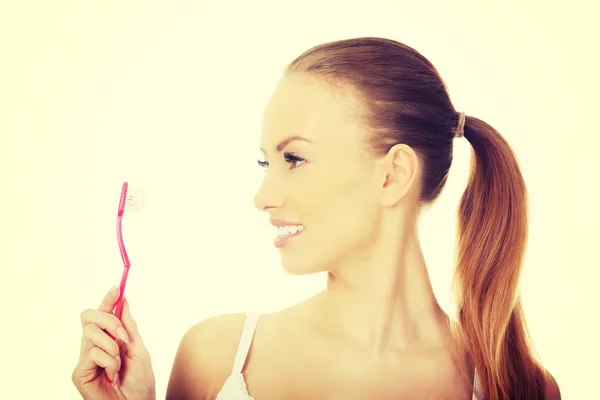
x=105 y=321
x=103 y=360
x=110 y=299
x=90 y=361
x=93 y=336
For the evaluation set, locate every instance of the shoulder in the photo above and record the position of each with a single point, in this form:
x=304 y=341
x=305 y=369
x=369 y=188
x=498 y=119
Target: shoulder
x=205 y=357
x=552 y=391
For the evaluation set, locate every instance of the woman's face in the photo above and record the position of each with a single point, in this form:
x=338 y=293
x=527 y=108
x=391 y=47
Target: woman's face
x=324 y=183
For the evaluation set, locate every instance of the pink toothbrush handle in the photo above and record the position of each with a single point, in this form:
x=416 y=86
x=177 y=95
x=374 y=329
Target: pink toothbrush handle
x=119 y=305
x=124 y=256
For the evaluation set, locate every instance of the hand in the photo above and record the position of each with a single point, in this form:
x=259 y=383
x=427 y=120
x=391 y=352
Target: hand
x=110 y=368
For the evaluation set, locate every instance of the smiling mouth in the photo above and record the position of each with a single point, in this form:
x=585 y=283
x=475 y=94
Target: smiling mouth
x=289 y=230
x=286 y=234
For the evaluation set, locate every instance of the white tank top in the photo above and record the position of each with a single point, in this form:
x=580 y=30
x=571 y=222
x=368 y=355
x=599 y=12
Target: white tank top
x=234 y=387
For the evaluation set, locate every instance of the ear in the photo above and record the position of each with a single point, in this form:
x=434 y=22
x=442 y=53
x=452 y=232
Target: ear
x=398 y=173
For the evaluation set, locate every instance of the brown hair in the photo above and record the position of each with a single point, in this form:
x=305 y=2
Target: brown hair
x=406 y=101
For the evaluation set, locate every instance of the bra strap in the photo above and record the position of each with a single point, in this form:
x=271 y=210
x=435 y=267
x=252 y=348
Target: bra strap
x=245 y=342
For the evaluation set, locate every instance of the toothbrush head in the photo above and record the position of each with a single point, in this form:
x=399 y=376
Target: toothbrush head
x=132 y=198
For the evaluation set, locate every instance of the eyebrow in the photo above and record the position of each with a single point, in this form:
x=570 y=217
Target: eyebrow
x=287 y=141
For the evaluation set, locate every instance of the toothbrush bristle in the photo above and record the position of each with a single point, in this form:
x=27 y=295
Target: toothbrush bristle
x=134 y=198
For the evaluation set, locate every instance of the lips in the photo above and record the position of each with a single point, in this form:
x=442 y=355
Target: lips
x=284 y=235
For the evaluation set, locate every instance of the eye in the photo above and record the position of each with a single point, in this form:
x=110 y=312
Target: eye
x=289 y=158
x=292 y=159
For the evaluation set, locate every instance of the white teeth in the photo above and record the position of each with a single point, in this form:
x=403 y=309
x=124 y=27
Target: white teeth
x=288 y=230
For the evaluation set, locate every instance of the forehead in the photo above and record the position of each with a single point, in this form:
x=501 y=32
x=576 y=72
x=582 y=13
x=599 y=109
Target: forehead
x=307 y=107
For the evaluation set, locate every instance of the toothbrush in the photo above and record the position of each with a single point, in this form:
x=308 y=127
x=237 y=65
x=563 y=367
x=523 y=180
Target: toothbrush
x=131 y=200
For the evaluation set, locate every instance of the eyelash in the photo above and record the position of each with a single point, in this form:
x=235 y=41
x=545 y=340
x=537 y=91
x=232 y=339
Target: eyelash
x=289 y=158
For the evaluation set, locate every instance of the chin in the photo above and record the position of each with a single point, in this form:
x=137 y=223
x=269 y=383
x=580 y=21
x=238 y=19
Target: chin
x=302 y=264
x=298 y=268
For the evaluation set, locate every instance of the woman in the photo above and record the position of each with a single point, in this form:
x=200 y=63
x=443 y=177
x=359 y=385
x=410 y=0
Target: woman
x=357 y=138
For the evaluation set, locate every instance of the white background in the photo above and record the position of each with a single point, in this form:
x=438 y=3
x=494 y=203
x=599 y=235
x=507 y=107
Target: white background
x=170 y=95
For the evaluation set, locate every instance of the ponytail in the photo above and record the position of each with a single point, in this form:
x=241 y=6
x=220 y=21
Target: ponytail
x=492 y=234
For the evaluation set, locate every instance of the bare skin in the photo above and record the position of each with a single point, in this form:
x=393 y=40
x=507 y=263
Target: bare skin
x=293 y=339
x=287 y=342
x=377 y=330
x=115 y=369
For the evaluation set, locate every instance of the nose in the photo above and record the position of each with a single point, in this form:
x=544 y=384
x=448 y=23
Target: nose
x=268 y=195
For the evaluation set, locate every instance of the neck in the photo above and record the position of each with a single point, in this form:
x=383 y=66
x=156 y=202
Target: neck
x=385 y=302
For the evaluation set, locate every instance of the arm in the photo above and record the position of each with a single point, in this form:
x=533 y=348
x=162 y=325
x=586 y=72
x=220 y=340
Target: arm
x=204 y=358
x=186 y=382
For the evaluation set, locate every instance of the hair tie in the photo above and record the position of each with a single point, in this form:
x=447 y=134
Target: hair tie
x=460 y=129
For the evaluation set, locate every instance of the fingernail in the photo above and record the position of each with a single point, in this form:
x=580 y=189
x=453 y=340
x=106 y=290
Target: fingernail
x=115 y=288
x=123 y=335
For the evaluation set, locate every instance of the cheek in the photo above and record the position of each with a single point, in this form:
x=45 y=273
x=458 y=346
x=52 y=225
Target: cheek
x=345 y=214
x=341 y=217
